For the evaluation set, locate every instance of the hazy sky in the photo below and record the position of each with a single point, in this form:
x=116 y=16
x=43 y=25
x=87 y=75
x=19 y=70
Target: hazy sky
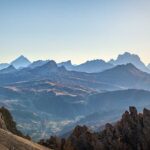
x=74 y=29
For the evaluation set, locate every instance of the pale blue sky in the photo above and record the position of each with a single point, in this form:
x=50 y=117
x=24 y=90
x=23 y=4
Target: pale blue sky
x=74 y=29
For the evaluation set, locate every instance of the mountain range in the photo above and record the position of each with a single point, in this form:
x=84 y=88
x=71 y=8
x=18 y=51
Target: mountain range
x=33 y=94
x=99 y=65
x=48 y=98
x=90 y=66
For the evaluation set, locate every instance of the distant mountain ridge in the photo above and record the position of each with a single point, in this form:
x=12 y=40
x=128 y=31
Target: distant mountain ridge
x=47 y=68
x=38 y=63
x=67 y=64
x=119 y=77
x=125 y=76
x=130 y=58
x=90 y=66
x=9 y=69
x=20 y=62
x=100 y=65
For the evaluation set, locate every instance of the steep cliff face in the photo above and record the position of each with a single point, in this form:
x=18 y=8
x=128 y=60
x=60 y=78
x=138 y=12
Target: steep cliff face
x=132 y=132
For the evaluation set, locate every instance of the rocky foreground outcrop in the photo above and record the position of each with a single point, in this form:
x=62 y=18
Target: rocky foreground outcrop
x=132 y=132
x=11 y=138
x=9 y=141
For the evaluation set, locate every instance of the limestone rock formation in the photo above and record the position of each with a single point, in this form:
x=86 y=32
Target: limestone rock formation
x=132 y=132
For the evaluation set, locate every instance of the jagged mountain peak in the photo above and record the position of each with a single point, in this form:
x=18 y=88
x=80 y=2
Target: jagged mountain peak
x=48 y=68
x=20 y=62
x=67 y=64
x=127 y=57
x=51 y=65
x=21 y=57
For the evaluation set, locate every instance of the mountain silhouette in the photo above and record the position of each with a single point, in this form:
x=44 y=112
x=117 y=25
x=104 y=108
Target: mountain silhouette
x=130 y=58
x=20 y=62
